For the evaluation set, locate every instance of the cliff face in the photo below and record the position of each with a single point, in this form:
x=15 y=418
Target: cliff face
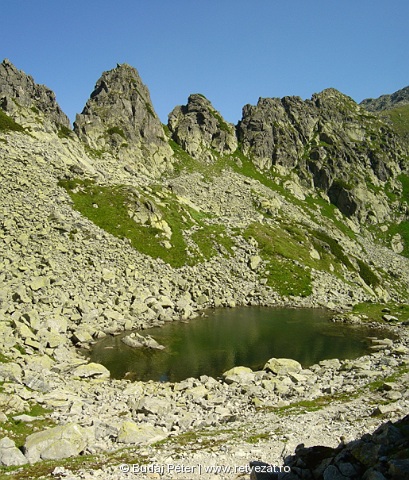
x=119 y=119
x=331 y=143
x=200 y=129
x=23 y=99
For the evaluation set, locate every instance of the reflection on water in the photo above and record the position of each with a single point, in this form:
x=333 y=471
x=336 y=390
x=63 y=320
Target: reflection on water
x=246 y=336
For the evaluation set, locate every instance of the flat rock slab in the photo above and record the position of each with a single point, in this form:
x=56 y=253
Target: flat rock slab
x=91 y=370
x=132 y=433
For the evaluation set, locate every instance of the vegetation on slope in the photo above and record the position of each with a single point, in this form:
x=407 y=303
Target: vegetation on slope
x=112 y=208
x=399 y=118
x=278 y=248
x=8 y=124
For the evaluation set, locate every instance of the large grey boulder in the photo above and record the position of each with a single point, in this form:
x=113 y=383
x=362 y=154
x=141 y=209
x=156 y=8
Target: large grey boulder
x=10 y=454
x=91 y=370
x=240 y=375
x=55 y=443
x=135 y=340
x=282 y=366
x=10 y=372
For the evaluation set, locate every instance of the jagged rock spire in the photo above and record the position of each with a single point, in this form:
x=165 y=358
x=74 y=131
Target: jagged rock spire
x=119 y=117
x=200 y=129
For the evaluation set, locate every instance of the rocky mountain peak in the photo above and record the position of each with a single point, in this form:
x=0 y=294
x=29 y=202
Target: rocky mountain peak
x=200 y=129
x=22 y=98
x=119 y=118
x=331 y=142
x=387 y=102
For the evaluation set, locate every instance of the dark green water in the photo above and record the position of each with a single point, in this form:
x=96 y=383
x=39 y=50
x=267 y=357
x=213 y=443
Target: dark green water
x=247 y=336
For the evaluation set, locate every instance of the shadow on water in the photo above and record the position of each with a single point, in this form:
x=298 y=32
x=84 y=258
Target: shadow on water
x=226 y=338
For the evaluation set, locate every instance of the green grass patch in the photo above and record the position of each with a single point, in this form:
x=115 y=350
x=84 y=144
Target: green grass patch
x=116 y=131
x=109 y=207
x=333 y=246
x=402 y=228
x=210 y=239
x=221 y=123
x=196 y=440
x=284 y=272
x=4 y=358
x=330 y=211
x=92 y=152
x=185 y=163
x=44 y=469
x=377 y=385
x=259 y=437
x=8 y=124
x=303 y=406
x=19 y=431
x=374 y=311
x=399 y=118
x=367 y=275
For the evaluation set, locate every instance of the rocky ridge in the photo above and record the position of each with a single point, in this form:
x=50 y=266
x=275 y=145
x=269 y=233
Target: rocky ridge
x=25 y=100
x=67 y=281
x=387 y=102
x=332 y=143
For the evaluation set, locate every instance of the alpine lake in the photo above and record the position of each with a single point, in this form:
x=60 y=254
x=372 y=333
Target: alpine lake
x=225 y=338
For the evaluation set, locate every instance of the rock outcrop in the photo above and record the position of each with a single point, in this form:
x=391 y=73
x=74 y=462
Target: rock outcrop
x=200 y=129
x=332 y=144
x=28 y=102
x=119 y=119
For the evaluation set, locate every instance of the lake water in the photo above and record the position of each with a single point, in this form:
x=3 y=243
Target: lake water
x=247 y=336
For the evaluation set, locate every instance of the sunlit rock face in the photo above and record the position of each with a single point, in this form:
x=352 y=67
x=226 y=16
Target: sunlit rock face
x=330 y=142
x=119 y=119
x=28 y=102
x=200 y=129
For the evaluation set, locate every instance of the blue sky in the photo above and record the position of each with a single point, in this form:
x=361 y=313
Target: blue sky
x=232 y=51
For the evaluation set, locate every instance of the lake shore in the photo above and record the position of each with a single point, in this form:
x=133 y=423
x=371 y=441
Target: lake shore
x=242 y=417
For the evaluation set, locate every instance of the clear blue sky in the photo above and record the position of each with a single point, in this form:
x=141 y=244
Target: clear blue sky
x=232 y=51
